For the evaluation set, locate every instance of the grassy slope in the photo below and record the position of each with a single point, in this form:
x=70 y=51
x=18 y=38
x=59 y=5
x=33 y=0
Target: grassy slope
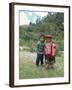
x=28 y=69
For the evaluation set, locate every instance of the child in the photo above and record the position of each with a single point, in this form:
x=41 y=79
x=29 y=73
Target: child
x=40 y=50
x=50 y=52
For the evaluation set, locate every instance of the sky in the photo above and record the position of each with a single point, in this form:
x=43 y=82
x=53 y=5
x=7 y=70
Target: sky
x=28 y=16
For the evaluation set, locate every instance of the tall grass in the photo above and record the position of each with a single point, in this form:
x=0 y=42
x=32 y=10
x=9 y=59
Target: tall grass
x=28 y=69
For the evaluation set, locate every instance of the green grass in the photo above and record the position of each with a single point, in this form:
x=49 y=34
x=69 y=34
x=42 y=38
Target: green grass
x=28 y=69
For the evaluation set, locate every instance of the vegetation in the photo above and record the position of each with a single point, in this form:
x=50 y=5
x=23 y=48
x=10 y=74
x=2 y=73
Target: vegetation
x=28 y=68
x=50 y=24
x=28 y=37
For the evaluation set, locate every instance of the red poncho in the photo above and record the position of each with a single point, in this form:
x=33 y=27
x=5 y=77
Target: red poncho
x=50 y=49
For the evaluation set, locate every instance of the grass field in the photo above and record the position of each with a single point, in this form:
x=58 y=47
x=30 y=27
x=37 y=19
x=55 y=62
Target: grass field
x=28 y=69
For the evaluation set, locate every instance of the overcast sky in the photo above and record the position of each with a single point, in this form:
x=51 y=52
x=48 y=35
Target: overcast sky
x=27 y=16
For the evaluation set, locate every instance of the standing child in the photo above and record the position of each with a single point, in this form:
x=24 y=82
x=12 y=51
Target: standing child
x=50 y=52
x=40 y=50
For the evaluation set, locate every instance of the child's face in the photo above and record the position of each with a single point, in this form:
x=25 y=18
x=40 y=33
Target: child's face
x=49 y=40
x=41 y=38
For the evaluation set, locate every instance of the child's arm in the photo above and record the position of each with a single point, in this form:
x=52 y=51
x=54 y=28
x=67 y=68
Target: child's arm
x=54 y=46
x=44 y=49
x=37 y=46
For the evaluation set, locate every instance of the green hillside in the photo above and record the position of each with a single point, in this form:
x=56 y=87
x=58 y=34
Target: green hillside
x=50 y=24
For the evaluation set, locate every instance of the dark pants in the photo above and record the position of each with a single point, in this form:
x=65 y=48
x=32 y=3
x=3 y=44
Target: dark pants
x=39 y=59
x=49 y=60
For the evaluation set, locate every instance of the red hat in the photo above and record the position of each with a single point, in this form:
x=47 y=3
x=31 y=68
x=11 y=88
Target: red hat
x=48 y=36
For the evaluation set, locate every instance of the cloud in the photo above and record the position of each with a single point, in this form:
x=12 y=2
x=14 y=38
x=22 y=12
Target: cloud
x=30 y=13
x=41 y=14
x=23 y=19
x=35 y=18
x=27 y=17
